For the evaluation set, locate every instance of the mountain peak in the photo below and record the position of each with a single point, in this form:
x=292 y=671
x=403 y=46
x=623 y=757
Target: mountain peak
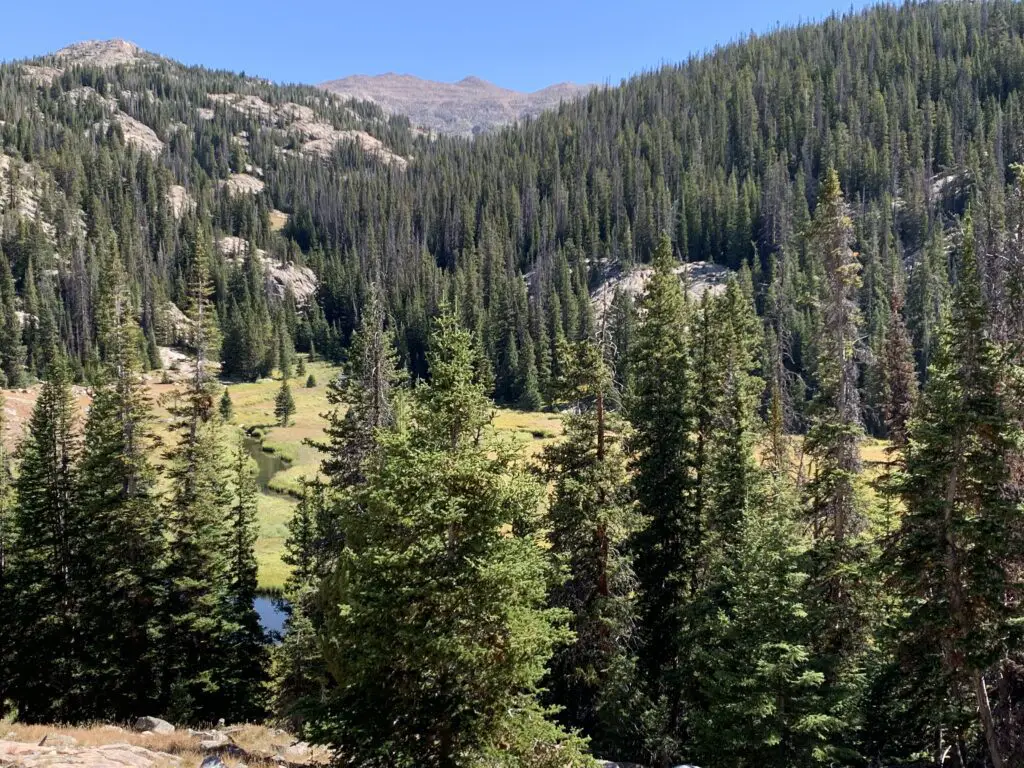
x=101 y=53
x=470 y=106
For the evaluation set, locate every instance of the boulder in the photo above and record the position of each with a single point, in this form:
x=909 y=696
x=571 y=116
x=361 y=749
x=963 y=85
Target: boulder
x=212 y=761
x=153 y=725
x=295 y=753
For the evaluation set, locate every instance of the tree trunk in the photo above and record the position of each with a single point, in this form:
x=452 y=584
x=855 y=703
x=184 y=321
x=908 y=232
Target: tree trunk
x=985 y=711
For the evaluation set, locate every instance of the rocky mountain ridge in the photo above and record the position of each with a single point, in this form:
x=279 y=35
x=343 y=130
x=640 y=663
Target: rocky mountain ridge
x=465 y=108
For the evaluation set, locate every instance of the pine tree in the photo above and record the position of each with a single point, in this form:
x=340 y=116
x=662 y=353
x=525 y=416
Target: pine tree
x=367 y=391
x=244 y=675
x=122 y=608
x=284 y=404
x=46 y=567
x=962 y=525
x=12 y=354
x=661 y=412
x=301 y=682
x=834 y=493
x=589 y=522
x=197 y=502
x=438 y=634
x=7 y=545
x=285 y=352
x=899 y=379
x=226 y=407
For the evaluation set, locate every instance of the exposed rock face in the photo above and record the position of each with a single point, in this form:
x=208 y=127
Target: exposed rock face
x=243 y=184
x=139 y=134
x=154 y=725
x=101 y=53
x=700 y=277
x=14 y=753
x=465 y=108
x=316 y=137
x=173 y=326
x=180 y=200
x=43 y=76
x=301 y=281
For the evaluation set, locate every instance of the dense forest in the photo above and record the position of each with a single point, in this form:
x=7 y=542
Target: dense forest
x=705 y=569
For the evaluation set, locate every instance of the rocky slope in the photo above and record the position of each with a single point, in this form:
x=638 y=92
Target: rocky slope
x=464 y=108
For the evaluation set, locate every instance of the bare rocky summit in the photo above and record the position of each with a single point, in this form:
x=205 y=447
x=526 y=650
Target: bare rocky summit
x=101 y=53
x=465 y=108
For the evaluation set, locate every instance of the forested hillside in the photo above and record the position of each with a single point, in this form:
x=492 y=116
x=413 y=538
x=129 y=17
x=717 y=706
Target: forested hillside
x=704 y=568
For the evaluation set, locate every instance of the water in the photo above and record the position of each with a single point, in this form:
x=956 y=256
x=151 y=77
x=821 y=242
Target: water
x=272 y=615
x=267 y=464
x=271 y=611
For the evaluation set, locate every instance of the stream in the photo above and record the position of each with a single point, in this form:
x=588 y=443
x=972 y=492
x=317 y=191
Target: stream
x=267 y=464
x=270 y=609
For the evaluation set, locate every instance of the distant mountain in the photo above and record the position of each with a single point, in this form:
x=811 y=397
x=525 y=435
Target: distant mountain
x=467 y=107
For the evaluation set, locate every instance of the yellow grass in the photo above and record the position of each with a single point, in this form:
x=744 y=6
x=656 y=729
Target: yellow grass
x=278 y=220
x=254 y=408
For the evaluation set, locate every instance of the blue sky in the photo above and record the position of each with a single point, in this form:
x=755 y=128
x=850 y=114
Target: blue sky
x=524 y=44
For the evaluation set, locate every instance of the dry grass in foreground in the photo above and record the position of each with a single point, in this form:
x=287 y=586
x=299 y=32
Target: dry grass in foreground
x=250 y=745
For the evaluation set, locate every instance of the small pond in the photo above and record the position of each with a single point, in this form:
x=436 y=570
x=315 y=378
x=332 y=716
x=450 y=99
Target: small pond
x=272 y=615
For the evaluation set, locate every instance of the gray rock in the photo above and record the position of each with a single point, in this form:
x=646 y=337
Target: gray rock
x=212 y=762
x=297 y=752
x=153 y=725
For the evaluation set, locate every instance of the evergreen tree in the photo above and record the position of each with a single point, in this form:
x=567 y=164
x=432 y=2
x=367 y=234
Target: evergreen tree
x=661 y=411
x=197 y=502
x=834 y=493
x=124 y=529
x=898 y=376
x=12 y=354
x=226 y=407
x=46 y=567
x=367 y=392
x=589 y=522
x=962 y=525
x=244 y=676
x=438 y=634
x=301 y=682
x=284 y=404
x=7 y=545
